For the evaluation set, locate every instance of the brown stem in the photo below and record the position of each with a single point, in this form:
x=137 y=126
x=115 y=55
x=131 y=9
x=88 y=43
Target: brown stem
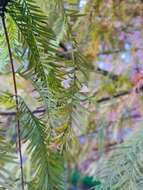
x=16 y=100
x=110 y=52
x=13 y=113
x=101 y=100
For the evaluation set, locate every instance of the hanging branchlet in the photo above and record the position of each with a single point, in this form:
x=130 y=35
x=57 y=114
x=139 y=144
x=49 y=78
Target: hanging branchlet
x=3 y=4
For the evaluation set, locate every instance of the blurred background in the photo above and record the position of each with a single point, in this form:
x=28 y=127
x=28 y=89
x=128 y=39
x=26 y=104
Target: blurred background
x=109 y=34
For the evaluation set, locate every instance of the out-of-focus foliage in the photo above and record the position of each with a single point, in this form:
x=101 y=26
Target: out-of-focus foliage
x=79 y=76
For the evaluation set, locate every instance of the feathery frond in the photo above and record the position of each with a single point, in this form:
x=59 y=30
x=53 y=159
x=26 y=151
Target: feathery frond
x=47 y=165
x=123 y=168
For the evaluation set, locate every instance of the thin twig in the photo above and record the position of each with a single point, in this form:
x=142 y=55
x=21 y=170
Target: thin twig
x=16 y=100
x=99 y=101
x=110 y=52
x=108 y=98
x=13 y=113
